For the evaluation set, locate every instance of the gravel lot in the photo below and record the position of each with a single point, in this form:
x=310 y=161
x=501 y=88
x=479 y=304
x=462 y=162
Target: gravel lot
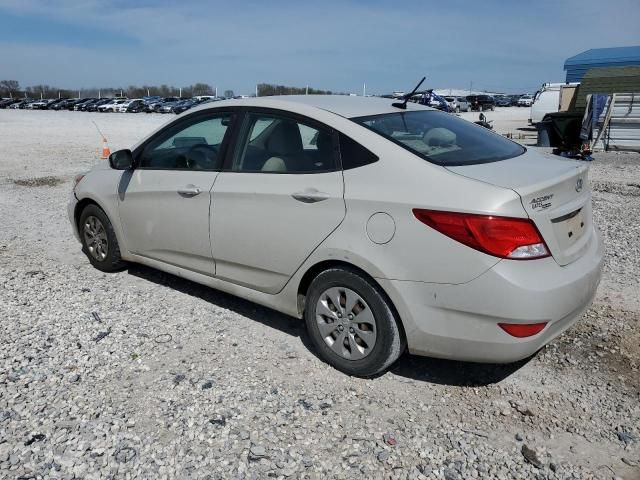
x=140 y=374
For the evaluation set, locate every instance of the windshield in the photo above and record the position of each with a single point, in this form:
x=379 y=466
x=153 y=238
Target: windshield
x=442 y=138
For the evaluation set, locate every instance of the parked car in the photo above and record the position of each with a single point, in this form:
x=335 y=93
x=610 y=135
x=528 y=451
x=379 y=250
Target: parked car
x=93 y=107
x=372 y=243
x=525 y=101
x=481 y=102
x=502 y=101
x=184 y=105
x=7 y=102
x=77 y=101
x=42 y=104
x=514 y=100
x=133 y=106
x=167 y=107
x=62 y=104
x=112 y=106
x=457 y=104
x=80 y=106
x=53 y=105
x=22 y=104
x=155 y=106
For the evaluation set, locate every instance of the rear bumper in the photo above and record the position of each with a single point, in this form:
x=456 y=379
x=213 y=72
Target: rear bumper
x=461 y=321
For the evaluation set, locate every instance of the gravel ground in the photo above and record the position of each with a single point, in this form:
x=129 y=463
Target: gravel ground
x=140 y=374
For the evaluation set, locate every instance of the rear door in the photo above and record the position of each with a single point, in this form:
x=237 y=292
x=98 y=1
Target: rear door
x=165 y=202
x=279 y=198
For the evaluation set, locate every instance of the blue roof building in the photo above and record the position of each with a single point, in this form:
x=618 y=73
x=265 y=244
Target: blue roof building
x=578 y=65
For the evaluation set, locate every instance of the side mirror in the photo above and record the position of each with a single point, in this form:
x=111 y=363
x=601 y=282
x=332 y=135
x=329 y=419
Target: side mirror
x=482 y=118
x=121 y=160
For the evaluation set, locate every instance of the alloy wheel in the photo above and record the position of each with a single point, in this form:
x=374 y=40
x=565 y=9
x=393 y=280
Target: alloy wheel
x=95 y=238
x=346 y=323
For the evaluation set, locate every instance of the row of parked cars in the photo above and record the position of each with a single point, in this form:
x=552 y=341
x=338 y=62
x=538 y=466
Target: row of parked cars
x=486 y=102
x=104 y=105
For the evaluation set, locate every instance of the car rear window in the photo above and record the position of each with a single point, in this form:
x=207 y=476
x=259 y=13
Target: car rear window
x=442 y=138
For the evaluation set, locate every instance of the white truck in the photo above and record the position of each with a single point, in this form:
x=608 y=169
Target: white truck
x=547 y=100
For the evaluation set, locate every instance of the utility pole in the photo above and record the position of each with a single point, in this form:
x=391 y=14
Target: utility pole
x=470 y=87
x=364 y=89
x=306 y=92
x=78 y=93
x=180 y=92
x=216 y=92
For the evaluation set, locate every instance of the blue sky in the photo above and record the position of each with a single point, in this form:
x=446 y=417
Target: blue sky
x=510 y=46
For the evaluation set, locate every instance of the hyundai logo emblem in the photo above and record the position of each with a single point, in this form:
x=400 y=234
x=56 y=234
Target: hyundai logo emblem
x=579 y=185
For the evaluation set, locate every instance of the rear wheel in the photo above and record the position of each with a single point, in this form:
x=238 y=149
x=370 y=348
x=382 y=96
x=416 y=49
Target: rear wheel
x=351 y=323
x=99 y=241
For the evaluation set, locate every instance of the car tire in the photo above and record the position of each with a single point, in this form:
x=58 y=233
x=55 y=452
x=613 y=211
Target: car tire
x=365 y=343
x=99 y=242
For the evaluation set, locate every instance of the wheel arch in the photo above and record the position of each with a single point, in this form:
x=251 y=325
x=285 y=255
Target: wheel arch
x=317 y=268
x=90 y=200
x=80 y=206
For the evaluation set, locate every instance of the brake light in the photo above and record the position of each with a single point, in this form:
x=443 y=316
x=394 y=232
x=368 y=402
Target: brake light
x=504 y=237
x=522 y=330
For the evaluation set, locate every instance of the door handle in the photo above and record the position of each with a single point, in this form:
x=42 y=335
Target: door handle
x=189 y=191
x=310 y=196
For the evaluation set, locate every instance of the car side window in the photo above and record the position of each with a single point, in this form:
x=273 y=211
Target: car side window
x=277 y=144
x=354 y=155
x=192 y=145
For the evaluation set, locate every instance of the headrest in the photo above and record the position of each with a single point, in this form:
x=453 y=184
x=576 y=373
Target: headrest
x=285 y=139
x=439 y=137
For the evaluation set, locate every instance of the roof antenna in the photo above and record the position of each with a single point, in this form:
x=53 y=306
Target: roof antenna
x=403 y=104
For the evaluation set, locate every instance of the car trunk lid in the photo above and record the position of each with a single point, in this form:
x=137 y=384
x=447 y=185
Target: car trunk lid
x=555 y=194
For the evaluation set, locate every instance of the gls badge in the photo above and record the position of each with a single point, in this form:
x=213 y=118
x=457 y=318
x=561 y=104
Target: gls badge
x=579 y=185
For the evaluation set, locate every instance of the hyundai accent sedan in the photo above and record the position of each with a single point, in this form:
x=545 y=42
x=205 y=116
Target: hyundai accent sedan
x=385 y=228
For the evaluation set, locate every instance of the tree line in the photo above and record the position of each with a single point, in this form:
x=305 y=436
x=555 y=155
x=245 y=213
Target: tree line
x=11 y=88
x=267 y=89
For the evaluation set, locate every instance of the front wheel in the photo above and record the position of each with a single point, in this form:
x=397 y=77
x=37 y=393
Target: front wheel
x=99 y=241
x=351 y=323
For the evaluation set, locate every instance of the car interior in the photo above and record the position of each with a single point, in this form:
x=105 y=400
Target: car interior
x=280 y=148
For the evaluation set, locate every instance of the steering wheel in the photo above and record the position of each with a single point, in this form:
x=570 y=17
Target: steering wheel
x=202 y=157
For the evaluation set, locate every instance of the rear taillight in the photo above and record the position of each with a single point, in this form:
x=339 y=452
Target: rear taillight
x=504 y=237
x=522 y=330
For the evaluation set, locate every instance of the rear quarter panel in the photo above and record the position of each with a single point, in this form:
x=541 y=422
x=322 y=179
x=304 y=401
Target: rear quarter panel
x=396 y=184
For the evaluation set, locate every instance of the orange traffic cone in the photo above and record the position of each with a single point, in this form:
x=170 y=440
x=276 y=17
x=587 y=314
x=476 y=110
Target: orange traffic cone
x=105 y=149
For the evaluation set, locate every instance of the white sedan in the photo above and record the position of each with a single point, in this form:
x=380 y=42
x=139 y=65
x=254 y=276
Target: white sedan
x=112 y=106
x=385 y=228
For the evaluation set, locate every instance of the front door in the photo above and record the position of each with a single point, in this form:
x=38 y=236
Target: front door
x=281 y=197
x=165 y=202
